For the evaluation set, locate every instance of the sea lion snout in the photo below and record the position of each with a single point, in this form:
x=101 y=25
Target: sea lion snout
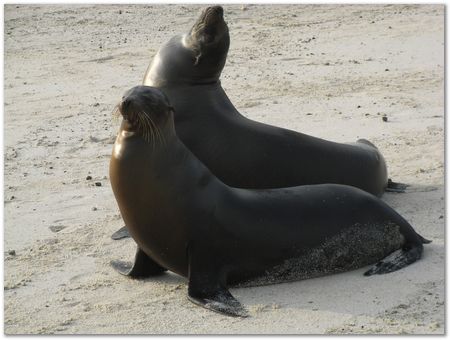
x=211 y=16
x=146 y=110
x=216 y=10
x=125 y=108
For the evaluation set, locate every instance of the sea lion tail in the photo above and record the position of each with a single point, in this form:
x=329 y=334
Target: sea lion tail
x=410 y=251
x=423 y=239
x=397 y=260
x=365 y=141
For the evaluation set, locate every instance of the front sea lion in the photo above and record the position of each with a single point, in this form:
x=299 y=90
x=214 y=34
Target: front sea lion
x=186 y=220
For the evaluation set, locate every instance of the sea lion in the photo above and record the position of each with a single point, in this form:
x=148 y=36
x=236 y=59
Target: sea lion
x=241 y=152
x=186 y=220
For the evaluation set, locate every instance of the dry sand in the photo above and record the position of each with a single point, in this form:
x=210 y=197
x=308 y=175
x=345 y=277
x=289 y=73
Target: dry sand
x=329 y=71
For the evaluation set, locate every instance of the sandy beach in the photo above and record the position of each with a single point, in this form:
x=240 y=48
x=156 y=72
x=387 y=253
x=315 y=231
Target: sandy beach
x=332 y=71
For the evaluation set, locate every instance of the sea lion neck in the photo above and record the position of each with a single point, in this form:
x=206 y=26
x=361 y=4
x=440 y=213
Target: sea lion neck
x=211 y=101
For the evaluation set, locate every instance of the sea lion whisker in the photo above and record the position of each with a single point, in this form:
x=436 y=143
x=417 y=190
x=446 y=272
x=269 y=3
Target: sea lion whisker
x=149 y=130
x=153 y=125
x=149 y=126
x=158 y=130
x=153 y=132
x=116 y=112
x=142 y=127
x=153 y=129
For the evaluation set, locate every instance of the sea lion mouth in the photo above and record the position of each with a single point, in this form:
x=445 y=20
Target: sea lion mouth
x=209 y=26
x=212 y=15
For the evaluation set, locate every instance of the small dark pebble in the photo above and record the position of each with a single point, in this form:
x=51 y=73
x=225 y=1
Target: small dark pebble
x=12 y=197
x=12 y=252
x=98 y=184
x=96 y=104
x=88 y=178
x=94 y=209
x=120 y=11
x=386 y=70
x=384 y=118
x=309 y=114
x=441 y=217
x=359 y=106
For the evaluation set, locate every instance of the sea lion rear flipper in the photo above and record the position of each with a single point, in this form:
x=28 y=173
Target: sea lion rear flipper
x=121 y=233
x=397 y=260
x=396 y=187
x=365 y=141
x=206 y=289
x=142 y=267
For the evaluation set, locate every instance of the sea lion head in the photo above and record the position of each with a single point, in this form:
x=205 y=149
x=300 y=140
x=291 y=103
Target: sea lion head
x=197 y=57
x=209 y=32
x=146 y=111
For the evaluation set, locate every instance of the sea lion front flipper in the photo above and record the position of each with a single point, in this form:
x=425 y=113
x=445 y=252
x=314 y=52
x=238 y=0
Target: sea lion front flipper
x=142 y=267
x=206 y=289
x=121 y=233
x=396 y=187
x=220 y=301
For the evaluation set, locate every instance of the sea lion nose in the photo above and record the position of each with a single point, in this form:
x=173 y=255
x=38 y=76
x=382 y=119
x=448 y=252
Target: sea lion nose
x=218 y=10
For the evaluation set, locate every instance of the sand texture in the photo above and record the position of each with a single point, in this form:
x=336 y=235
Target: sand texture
x=329 y=71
